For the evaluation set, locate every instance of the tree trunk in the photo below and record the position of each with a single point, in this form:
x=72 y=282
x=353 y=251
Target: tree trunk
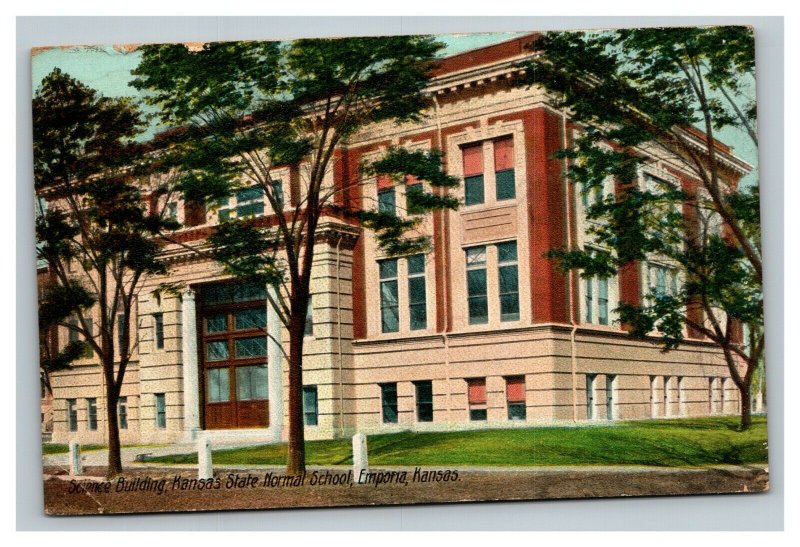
x=744 y=395
x=114 y=454
x=296 y=459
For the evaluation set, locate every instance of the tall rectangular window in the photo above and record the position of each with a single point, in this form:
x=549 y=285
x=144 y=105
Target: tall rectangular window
x=158 y=329
x=681 y=396
x=602 y=300
x=161 y=410
x=663 y=281
x=508 y=278
x=413 y=195
x=653 y=397
x=424 y=393
x=417 y=305
x=611 y=403
x=389 y=403
x=590 y=412
x=476 y=397
x=477 y=300
x=120 y=329
x=309 y=328
x=277 y=192
x=596 y=300
x=504 y=168
x=122 y=412
x=515 y=397
x=667 y=396
x=310 y=407
x=386 y=200
x=390 y=318
x=472 y=156
x=91 y=414
x=72 y=414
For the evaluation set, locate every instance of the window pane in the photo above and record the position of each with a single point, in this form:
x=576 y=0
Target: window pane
x=602 y=302
x=310 y=409
x=216 y=294
x=505 y=185
x=417 y=304
x=416 y=264
x=277 y=191
x=91 y=417
x=250 y=319
x=251 y=347
x=250 y=194
x=72 y=414
x=424 y=392
x=477 y=414
x=309 y=328
x=122 y=412
x=217 y=350
x=516 y=411
x=589 y=299
x=389 y=403
x=158 y=320
x=507 y=252
x=476 y=256
x=251 y=383
x=249 y=210
x=509 y=295
x=218 y=385
x=390 y=321
x=217 y=323
x=386 y=201
x=473 y=190
x=246 y=292
x=388 y=268
x=477 y=301
x=161 y=411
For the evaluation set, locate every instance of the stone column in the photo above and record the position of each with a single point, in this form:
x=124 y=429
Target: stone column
x=75 y=463
x=191 y=384
x=274 y=370
x=205 y=468
x=360 y=457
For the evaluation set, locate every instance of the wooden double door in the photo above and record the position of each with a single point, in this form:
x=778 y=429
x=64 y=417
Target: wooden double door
x=234 y=356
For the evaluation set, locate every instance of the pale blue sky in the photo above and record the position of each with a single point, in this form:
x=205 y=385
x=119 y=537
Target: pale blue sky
x=107 y=69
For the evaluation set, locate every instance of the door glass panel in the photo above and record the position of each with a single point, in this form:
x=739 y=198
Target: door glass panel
x=217 y=323
x=251 y=383
x=218 y=385
x=255 y=346
x=250 y=319
x=217 y=350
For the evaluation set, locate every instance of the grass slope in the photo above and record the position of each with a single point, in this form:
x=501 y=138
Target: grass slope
x=674 y=443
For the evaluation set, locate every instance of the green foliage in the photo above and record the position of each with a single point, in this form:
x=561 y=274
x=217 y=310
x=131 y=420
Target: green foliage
x=96 y=234
x=629 y=89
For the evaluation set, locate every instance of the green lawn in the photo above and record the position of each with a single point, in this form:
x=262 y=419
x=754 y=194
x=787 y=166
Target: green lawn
x=676 y=443
x=55 y=448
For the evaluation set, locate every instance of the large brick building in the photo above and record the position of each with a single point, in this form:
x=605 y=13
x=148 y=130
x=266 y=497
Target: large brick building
x=483 y=331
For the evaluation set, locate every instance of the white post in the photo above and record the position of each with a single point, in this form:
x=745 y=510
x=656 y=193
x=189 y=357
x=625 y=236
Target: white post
x=274 y=370
x=205 y=468
x=360 y=458
x=75 y=465
x=191 y=395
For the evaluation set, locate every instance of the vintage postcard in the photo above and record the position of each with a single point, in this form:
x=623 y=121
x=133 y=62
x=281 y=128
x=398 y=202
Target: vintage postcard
x=399 y=269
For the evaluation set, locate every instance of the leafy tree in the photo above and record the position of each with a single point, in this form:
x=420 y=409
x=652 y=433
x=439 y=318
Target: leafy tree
x=637 y=96
x=96 y=235
x=246 y=107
